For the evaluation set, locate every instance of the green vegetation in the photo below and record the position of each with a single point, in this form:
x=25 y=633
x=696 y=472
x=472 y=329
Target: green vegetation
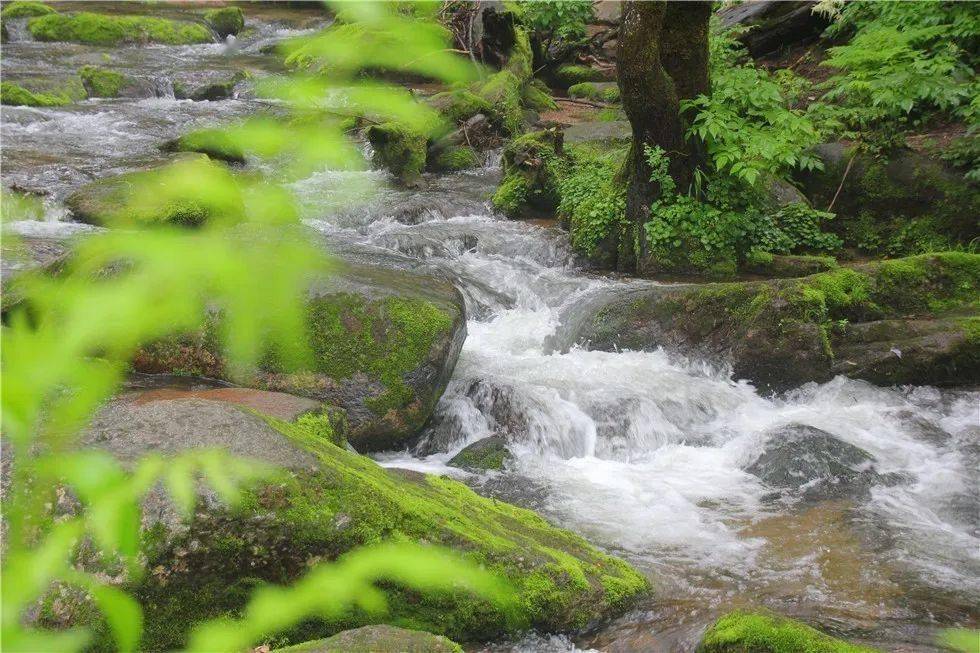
x=531 y=170
x=216 y=143
x=100 y=82
x=99 y=29
x=591 y=91
x=558 y=23
x=739 y=632
x=459 y=105
x=14 y=95
x=489 y=453
x=378 y=639
x=173 y=194
x=398 y=148
x=571 y=74
x=593 y=201
x=455 y=158
x=226 y=20
x=24 y=9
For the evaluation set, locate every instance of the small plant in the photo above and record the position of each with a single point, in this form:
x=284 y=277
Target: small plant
x=558 y=21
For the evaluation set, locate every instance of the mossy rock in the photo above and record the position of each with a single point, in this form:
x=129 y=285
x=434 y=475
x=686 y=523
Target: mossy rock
x=226 y=20
x=15 y=95
x=531 y=165
x=900 y=203
x=454 y=158
x=571 y=74
x=25 y=9
x=779 y=266
x=604 y=91
x=399 y=149
x=99 y=29
x=903 y=321
x=378 y=639
x=216 y=143
x=384 y=345
x=502 y=93
x=459 y=105
x=757 y=632
x=161 y=195
x=324 y=501
x=101 y=82
x=536 y=95
x=209 y=89
x=486 y=454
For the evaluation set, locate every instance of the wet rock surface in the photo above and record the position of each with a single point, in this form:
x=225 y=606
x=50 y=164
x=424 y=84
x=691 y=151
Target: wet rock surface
x=378 y=639
x=486 y=454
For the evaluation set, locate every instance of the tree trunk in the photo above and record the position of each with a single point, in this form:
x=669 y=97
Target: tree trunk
x=662 y=59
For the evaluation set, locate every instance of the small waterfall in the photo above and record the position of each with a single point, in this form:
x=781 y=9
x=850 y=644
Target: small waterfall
x=17 y=31
x=163 y=87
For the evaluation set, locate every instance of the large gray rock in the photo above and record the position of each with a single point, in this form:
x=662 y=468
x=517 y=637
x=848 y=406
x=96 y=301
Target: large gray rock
x=773 y=25
x=598 y=132
x=384 y=343
x=813 y=465
x=876 y=322
x=378 y=639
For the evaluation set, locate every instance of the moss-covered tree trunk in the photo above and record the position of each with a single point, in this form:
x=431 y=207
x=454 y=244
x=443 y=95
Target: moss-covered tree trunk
x=662 y=60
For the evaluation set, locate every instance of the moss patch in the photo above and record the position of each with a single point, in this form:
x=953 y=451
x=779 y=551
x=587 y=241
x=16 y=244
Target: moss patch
x=563 y=583
x=13 y=95
x=459 y=105
x=98 y=29
x=100 y=82
x=455 y=158
x=742 y=632
x=538 y=97
x=216 y=143
x=399 y=149
x=531 y=166
x=226 y=20
x=25 y=9
x=502 y=93
x=571 y=74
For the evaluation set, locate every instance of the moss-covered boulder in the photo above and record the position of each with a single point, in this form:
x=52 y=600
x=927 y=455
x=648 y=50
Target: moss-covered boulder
x=454 y=158
x=212 y=88
x=216 y=143
x=226 y=20
x=531 y=165
x=378 y=639
x=324 y=501
x=605 y=91
x=384 y=345
x=398 y=148
x=160 y=195
x=100 y=29
x=15 y=95
x=895 y=204
x=102 y=82
x=502 y=92
x=488 y=453
x=757 y=632
x=537 y=96
x=904 y=321
x=25 y=9
x=571 y=74
x=780 y=266
x=459 y=105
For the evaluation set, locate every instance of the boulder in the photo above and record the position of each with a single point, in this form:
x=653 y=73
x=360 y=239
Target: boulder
x=902 y=321
x=602 y=132
x=761 y=632
x=399 y=149
x=774 y=25
x=529 y=185
x=378 y=639
x=895 y=203
x=384 y=343
x=103 y=29
x=23 y=255
x=226 y=21
x=216 y=143
x=780 y=266
x=210 y=88
x=488 y=453
x=321 y=501
x=813 y=465
x=157 y=196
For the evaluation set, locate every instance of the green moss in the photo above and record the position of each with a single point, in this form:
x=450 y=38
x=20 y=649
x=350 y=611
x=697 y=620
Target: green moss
x=535 y=95
x=344 y=341
x=569 y=75
x=98 y=29
x=100 y=82
x=583 y=90
x=459 y=105
x=502 y=92
x=378 y=639
x=611 y=94
x=489 y=453
x=216 y=143
x=226 y=20
x=25 y=8
x=14 y=95
x=521 y=60
x=187 y=193
x=399 y=149
x=748 y=632
x=329 y=425
x=561 y=581
x=593 y=201
x=455 y=158
x=511 y=196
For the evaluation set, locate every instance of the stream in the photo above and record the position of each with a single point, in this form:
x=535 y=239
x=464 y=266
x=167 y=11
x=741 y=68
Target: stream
x=643 y=453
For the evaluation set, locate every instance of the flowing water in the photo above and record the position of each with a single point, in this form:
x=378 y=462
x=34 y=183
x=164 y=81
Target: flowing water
x=644 y=453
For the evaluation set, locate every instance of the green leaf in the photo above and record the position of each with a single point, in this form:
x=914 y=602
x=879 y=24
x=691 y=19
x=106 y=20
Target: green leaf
x=123 y=614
